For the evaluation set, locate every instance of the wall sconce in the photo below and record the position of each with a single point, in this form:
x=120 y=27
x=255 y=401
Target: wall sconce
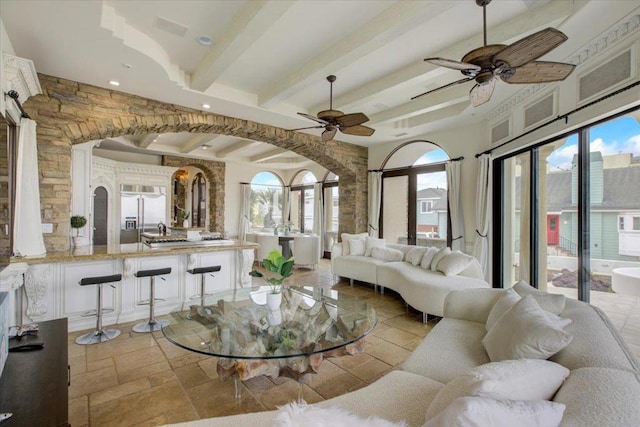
x=182 y=176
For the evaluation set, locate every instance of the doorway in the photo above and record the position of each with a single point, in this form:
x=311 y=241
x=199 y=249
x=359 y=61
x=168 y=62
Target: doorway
x=100 y=216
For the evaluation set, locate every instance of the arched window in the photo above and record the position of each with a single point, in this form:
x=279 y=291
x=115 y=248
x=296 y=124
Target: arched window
x=414 y=176
x=199 y=201
x=302 y=201
x=266 y=201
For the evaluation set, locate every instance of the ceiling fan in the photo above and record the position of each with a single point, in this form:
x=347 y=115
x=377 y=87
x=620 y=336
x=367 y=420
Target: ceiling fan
x=514 y=64
x=333 y=120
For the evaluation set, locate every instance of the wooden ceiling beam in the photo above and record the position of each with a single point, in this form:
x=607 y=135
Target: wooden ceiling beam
x=267 y=155
x=236 y=146
x=194 y=142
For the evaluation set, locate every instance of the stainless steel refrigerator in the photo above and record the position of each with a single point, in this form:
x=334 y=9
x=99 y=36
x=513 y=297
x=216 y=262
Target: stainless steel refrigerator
x=142 y=208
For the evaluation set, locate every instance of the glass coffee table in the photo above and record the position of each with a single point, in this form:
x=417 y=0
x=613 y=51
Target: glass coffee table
x=250 y=340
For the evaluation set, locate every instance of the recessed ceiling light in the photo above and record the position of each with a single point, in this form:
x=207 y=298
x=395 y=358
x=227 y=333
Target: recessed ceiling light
x=204 y=40
x=127 y=65
x=206 y=106
x=205 y=147
x=114 y=83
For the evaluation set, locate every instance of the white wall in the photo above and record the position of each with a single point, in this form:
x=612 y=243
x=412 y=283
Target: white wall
x=463 y=141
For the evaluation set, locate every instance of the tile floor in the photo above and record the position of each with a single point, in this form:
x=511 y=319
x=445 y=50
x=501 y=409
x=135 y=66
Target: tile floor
x=144 y=380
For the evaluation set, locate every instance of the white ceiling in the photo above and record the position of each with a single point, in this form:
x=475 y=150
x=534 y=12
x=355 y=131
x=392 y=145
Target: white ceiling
x=270 y=58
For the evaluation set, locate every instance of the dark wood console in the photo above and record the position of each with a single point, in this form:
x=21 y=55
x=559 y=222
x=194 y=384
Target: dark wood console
x=34 y=384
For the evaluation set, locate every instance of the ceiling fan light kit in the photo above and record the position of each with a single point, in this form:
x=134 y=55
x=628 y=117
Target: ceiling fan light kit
x=334 y=120
x=514 y=64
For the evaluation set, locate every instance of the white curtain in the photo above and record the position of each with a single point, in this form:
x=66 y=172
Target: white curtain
x=455 y=205
x=27 y=234
x=375 y=191
x=483 y=202
x=245 y=202
x=286 y=204
x=318 y=211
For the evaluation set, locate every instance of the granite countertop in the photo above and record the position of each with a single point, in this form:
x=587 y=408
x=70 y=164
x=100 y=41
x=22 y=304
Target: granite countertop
x=91 y=253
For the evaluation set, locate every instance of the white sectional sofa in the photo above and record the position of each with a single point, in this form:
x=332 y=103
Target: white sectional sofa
x=601 y=386
x=422 y=288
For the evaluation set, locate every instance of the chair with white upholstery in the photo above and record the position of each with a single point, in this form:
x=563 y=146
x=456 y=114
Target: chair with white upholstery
x=267 y=244
x=306 y=250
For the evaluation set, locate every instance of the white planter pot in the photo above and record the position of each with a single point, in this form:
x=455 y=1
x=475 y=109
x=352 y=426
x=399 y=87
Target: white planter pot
x=273 y=301
x=185 y=223
x=274 y=317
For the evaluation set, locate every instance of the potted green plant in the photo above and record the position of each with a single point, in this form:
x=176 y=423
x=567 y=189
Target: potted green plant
x=280 y=268
x=77 y=222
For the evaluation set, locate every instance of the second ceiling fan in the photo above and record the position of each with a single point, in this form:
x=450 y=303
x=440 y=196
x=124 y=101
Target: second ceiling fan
x=333 y=120
x=514 y=64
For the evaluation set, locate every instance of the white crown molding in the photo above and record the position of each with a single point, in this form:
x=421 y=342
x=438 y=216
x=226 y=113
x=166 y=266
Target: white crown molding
x=20 y=75
x=623 y=31
x=138 y=168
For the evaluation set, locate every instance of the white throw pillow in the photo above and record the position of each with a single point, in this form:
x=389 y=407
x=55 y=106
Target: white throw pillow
x=504 y=304
x=508 y=300
x=521 y=379
x=553 y=303
x=371 y=243
x=428 y=257
x=454 y=263
x=483 y=412
x=414 y=256
x=387 y=254
x=346 y=238
x=524 y=332
x=438 y=257
x=299 y=414
x=474 y=270
x=357 y=247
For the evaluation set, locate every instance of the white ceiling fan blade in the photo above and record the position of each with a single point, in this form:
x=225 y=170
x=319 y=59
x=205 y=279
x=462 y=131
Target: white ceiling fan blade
x=482 y=93
x=315 y=119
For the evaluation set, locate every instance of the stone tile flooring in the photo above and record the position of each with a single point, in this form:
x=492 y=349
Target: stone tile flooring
x=144 y=380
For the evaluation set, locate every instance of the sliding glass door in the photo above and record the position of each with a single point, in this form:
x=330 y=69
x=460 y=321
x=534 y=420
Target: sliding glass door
x=569 y=216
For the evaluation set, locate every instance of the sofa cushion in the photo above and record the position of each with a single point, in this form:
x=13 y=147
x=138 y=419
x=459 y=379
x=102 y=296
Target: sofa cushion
x=428 y=257
x=438 y=257
x=450 y=349
x=397 y=396
x=482 y=412
x=474 y=271
x=454 y=263
x=414 y=256
x=524 y=332
x=522 y=379
x=553 y=303
x=387 y=254
x=357 y=247
x=592 y=332
x=372 y=242
x=356 y=267
x=598 y=397
x=346 y=239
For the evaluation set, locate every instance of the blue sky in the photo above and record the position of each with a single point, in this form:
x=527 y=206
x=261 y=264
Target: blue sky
x=621 y=135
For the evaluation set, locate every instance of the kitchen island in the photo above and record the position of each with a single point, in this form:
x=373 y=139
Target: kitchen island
x=52 y=290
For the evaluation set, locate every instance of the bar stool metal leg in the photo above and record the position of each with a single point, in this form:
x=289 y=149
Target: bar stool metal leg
x=152 y=324
x=99 y=335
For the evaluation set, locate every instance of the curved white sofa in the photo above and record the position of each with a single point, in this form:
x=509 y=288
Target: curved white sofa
x=423 y=289
x=602 y=389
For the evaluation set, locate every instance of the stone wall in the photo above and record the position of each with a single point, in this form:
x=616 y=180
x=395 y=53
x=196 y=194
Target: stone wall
x=69 y=112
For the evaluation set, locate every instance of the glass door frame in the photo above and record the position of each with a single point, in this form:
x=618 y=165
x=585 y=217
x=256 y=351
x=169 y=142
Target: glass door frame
x=412 y=173
x=302 y=189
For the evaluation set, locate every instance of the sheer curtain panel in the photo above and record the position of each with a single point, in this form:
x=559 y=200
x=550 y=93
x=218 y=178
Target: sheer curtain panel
x=27 y=233
x=483 y=202
x=375 y=192
x=318 y=213
x=455 y=205
x=245 y=201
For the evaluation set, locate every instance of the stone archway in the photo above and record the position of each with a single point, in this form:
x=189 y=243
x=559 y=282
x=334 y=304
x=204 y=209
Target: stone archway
x=69 y=112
